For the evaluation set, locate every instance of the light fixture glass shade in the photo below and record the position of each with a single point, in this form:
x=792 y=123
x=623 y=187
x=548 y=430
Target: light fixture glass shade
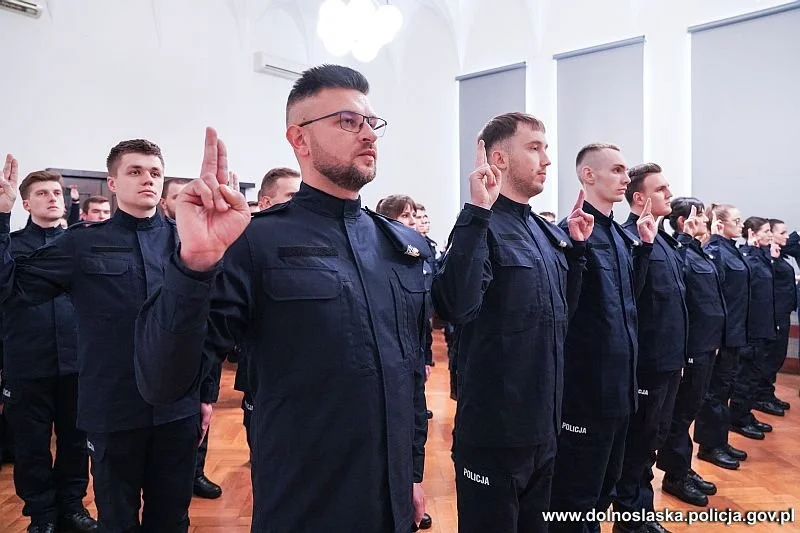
x=357 y=27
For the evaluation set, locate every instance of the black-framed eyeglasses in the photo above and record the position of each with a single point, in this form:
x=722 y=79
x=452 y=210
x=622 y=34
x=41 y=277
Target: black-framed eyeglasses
x=353 y=122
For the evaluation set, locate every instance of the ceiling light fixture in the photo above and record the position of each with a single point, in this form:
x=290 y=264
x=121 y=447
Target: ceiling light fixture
x=358 y=27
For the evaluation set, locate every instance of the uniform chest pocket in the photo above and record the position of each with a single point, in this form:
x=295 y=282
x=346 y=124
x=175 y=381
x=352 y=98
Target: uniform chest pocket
x=519 y=274
x=287 y=284
x=306 y=313
x=410 y=288
x=104 y=266
x=602 y=258
x=662 y=280
x=699 y=267
x=732 y=263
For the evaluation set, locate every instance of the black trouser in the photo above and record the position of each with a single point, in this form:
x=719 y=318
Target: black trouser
x=503 y=490
x=675 y=454
x=775 y=357
x=202 y=452
x=714 y=417
x=34 y=409
x=588 y=466
x=751 y=365
x=153 y=464
x=647 y=431
x=247 y=415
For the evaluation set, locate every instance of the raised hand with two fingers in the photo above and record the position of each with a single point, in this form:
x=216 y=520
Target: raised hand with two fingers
x=210 y=214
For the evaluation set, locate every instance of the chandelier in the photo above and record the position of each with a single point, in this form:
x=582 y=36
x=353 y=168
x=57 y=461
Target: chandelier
x=358 y=27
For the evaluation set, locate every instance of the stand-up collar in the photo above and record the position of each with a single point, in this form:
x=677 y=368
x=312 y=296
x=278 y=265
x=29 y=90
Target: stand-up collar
x=325 y=204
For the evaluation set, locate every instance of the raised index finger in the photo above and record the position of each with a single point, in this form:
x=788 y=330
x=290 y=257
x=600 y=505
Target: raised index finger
x=693 y=212
x=579 y=201
x=646 y=210
x=222 y=163
x=210 y=154
x=480 y=156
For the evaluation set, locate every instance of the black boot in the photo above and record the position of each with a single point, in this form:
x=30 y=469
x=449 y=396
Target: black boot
x=780 y=403
x=48 y=527
x=78 y=522
x=205 y=488
x=706 y=487
x=736 y=453
x=684 y=489
x=749 y=431
x=717 y=456
x=655 y=527
x=762 y=426
x=769 y=408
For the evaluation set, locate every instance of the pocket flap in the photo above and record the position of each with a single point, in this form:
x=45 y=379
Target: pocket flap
x=286 y=284
x=104 y=266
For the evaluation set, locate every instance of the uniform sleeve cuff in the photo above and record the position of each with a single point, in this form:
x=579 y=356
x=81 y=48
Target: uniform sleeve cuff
x=474 y=214
x=186 y=282
x=5 y=223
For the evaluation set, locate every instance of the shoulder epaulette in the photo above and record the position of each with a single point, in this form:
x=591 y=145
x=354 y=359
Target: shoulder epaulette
x=277 y=208
x=87 y=224
x=555 y=234
x=404 y=239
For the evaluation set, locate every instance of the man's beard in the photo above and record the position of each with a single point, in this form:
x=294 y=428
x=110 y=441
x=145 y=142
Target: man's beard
x=348 y=177
x=521 y=185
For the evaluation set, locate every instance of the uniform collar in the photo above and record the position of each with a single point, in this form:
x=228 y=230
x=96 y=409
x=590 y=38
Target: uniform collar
x=129 y=221
x=599 y=218
x=723 y=241
x=508 y=205
x=325 y=204
x=49 y=232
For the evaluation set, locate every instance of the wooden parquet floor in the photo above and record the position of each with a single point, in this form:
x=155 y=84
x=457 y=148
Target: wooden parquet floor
x=768 y=480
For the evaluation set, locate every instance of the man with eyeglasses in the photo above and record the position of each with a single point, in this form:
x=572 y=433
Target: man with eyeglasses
x=330 y=300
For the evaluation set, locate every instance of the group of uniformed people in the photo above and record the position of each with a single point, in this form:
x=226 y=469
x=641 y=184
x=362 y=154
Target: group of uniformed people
x=573 y=340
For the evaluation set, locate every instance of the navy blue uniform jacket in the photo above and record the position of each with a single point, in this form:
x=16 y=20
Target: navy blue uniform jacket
x=330 y=301
x=508 y=279
x=602 y=347
x=761 y=323
x=734 y=276
x=40 y=341
x=108 y=268
x=661 y=306
x=704 y=297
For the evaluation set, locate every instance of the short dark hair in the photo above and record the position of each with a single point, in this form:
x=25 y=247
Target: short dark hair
x=132 y=146
x=393 y=205
x=638 y=174
x=315 y=79
x=38 y=176
x=682 y=207
x=97 y=199
x=774 y=222
x=176 y=181
x=503 y=127
x=547 y=214
x=252 y=203
x=419 y=207
x=753 y=223
x=592 y=148
x=270 y=179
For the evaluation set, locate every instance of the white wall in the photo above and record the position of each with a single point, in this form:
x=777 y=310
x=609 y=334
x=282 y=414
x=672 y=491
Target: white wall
x=564 y=25
x=90 y=73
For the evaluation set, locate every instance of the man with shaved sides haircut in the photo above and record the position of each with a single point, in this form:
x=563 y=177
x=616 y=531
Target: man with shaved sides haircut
x=509 y=280
x=339 y=422
x=663 y=335
x=601 y=347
